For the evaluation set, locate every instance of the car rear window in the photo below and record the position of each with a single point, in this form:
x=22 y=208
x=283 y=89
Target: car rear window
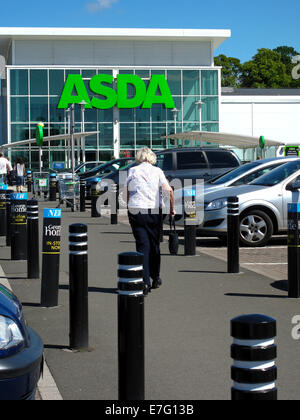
x=221 y=159
x=191 y=160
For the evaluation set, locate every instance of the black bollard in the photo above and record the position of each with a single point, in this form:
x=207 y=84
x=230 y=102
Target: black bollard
x=18 y=226
x=189 y=224
x=233 y=235
x=293 y=250
x=51 y=257
x=33 y=256
x=3 y=223
x=52 y=187
x=95 y=193
x=78 y=269
x=254 y=372
x=8 y=217
x=114 y=204
x=82 y=195
x=131 y=327
x=29 y=181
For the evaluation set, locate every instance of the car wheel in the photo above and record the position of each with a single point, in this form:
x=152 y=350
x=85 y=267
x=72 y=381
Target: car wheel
x=256 y=228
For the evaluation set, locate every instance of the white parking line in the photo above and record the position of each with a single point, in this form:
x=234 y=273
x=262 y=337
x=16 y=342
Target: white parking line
x=265 y=263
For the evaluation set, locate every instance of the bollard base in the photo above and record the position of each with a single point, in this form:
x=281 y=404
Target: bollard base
x=268 y=395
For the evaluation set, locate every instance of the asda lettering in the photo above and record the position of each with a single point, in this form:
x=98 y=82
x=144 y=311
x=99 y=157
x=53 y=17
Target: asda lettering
x=109 y=94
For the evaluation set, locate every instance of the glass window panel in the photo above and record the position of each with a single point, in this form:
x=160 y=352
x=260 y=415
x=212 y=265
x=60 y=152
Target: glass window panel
x=39 y=109
x=101 y=71
x=210 y=127
x=105 y=115
x=190 y=82
x=209 y=82
x=127 y=136
x=190 y=109
x=90 y=115
x=142 y=135
x=19 y=132
x=158 y=72
x=71 y=71
x=158 y=131
x=56 y=129
x=38 y=82
x=174 y=81
x=210 y=108
x=142 y=115
x=127 y=115
x=106 y=136
x=19 y=109
x=56 y=82
x=56 y=115
x=159 y=113
x=91 y=141
x=19 y=82
x=126 y=72
x=88 y=74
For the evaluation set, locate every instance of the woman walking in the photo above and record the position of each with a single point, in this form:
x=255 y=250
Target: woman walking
x=145 y=183
x=20 y=173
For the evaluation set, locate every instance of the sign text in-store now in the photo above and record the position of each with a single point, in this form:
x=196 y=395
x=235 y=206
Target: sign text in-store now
x=110 y=92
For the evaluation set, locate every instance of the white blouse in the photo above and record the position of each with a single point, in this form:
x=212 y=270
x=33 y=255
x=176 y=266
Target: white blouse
x=144 y=183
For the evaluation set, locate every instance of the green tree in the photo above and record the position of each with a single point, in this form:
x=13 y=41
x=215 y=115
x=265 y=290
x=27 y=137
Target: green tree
x=287 y=54
x=231 y=70
x=265 y=70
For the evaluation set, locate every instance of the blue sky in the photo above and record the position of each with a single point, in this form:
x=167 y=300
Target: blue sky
x=255 y=24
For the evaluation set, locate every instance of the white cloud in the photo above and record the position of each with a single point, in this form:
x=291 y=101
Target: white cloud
x=100 y=5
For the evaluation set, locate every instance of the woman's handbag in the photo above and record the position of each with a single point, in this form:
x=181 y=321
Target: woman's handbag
x=173 y=237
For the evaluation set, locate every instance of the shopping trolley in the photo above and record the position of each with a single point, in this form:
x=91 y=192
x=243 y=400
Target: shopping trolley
x=40 y=183
x=69 y=191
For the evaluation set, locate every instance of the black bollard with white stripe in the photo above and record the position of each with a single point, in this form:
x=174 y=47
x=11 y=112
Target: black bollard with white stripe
x=95 y=194
x=78 y=269
x=254 y=352
x=52 y=187
x=233 y=235
x=18 y=226
x=33 y=248
x=114 y=204
x=131 y=327
x=190 y=222
x=8 y=217
x=82 y=195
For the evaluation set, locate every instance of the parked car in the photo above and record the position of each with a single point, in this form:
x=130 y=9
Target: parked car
x=87 y=166
x=106 y=168
x=263 y=205
x=21 y=351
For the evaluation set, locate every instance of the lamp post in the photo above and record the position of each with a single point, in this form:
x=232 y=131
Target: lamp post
x=82 y=108
x=200 y=103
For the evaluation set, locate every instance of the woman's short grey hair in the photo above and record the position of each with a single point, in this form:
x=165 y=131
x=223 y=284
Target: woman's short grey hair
x=146 y=155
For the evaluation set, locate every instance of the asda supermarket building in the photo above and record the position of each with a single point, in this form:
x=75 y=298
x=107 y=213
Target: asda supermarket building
x=36 y=64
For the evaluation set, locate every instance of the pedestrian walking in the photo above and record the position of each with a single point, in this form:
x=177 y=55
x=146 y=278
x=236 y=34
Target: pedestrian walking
x=145 y=182
x=20 y=173
x=10 y=172
x=4 y=168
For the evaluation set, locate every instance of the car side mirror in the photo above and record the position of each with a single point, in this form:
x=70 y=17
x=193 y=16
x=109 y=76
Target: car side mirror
x=294 y=186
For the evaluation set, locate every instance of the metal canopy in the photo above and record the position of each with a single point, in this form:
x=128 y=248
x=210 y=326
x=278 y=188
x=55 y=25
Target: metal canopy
x=225 y=139
x=48 y=139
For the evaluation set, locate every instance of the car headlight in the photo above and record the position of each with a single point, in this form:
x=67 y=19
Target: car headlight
x=218 y=204
x=10 y=334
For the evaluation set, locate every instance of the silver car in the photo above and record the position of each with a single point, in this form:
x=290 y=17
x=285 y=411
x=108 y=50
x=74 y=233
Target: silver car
x=263 y=205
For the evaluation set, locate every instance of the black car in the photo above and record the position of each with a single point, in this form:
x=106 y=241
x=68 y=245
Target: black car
x=106 y=168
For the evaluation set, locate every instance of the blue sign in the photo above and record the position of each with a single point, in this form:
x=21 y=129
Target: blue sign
x=294 y=207
x=18 y=196
x=3 y=187
x=52 y=213
x=58 y=165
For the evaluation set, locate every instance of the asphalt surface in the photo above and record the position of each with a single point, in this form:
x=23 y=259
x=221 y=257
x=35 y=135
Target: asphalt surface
x=187 y=329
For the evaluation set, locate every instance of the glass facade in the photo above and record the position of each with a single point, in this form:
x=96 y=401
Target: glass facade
x=34 y=95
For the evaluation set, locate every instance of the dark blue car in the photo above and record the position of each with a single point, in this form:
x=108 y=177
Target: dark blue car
x=21 y=351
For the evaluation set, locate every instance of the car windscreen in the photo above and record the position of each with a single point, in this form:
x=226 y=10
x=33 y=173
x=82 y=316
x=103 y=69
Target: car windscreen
x=235 y=173
x=278 y=175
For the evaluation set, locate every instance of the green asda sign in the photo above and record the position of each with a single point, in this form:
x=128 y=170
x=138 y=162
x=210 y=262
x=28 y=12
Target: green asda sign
x=158 y=92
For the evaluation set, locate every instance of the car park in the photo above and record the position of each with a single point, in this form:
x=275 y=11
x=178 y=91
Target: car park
x=21 y=351
x=263 y=205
